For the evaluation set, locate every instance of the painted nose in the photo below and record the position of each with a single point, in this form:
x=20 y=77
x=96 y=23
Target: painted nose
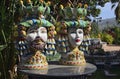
x=37 y=38
x=77 y=35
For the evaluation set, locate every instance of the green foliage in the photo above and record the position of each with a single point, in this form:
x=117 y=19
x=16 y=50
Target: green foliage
x=7 y=49
x=95 y=12
x=8 y=61
x=107 y=38
x=117 y=35
x=95 y=30
x=114 y=1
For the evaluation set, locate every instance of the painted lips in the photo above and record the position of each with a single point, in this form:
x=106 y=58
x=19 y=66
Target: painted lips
x=77 y=40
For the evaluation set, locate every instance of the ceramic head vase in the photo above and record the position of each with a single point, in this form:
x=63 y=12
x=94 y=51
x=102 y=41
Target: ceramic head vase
x=35 y=34
x=70 y=37
x=70 y=33
x=32 y=43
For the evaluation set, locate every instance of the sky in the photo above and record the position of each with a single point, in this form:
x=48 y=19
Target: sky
x=107 y=11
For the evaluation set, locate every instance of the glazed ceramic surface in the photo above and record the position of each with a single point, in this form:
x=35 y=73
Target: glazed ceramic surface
x=70 y=33
x=35 y=42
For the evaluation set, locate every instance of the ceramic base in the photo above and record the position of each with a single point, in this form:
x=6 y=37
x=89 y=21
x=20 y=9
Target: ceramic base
x=36 y=67
x=64 y=62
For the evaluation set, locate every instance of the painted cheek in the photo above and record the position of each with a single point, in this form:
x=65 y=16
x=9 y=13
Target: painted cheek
x=31 y=36
x=44 y=36
x=73 y=36
x=42 y=33
x=81 y=37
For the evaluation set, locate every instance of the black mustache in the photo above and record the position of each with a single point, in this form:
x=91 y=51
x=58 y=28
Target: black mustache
x=37 y=39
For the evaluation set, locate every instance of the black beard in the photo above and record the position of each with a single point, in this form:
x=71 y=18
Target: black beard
x=38 y=44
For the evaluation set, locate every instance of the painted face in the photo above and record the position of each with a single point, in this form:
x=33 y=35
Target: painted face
x=37 y=37
x=75 y=36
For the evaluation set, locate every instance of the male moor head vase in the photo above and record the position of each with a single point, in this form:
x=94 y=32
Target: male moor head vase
x=32 y=43
x=35 y=33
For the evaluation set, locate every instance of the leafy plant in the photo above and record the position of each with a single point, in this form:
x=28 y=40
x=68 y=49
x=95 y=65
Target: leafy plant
x=117 y=35
x=114 y=31
x=107 y=38
x=95 y=30
x=8 y=52
x=117 y=9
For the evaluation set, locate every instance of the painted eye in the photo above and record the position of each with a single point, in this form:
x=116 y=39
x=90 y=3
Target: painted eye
x=80 y=32
x=43 y=31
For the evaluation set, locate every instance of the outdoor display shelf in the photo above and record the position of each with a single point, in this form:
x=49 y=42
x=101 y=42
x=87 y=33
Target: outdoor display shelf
x=57 y=71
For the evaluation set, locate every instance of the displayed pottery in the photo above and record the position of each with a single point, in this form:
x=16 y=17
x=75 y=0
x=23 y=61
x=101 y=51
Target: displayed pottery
x=71 y=34
x=35 y=42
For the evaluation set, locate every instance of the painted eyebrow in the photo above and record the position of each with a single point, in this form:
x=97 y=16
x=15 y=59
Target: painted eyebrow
x=72 y=29
x=30 y=31
x=80 y=30
x=43 y=29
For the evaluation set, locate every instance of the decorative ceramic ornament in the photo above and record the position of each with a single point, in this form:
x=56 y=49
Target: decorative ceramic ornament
x=35 y=41
x=68 y=43
x=70 y=34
